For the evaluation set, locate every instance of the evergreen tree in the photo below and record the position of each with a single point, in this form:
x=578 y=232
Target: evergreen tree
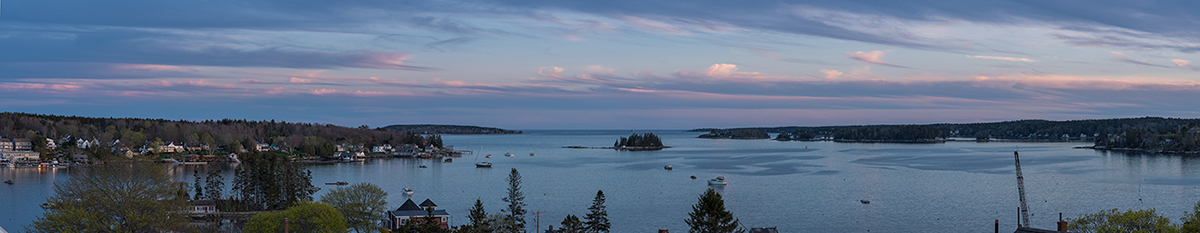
x=214 y=184
x=597 y=220
x=709 y=215
x=199 y=189
x=478 y=216
x=571 y=224
x=516 y=204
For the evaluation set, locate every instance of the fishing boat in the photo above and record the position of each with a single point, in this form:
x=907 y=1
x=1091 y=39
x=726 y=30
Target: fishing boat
x=483 y=164
x=668 y=167
x=720 y=180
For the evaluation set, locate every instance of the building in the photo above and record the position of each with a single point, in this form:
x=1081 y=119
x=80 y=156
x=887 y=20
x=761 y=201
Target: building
x=170 y=148
x=20 y=155
x=385 y=148
x=22 y=144
x=6 y=145
x=201 y=208
x=410 y=211
x=262 y=147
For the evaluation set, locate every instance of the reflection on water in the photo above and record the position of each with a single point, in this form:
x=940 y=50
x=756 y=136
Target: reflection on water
x=797 y=186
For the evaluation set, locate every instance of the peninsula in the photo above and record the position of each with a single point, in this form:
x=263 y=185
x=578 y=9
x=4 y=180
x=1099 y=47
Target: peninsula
x=450 y=129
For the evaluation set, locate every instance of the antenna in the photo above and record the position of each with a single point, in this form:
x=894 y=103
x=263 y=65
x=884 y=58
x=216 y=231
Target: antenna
x=1021 y=190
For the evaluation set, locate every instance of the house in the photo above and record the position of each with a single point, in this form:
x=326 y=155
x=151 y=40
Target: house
x=170 y=148
x=79 y=158
x=50 y=144
x=6 y=145
x=201 y=208
x=262 y=147
x=20 y=155
x=410 y=211
x=22 y=144
x=382 y=149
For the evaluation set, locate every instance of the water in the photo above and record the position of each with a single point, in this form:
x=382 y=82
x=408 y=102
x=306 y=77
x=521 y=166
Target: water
x=796 y=186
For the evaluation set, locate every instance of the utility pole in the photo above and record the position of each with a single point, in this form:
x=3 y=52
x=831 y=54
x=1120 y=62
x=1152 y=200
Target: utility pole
x=537 y=220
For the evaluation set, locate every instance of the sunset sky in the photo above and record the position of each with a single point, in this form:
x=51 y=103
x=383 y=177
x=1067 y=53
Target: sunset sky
x=586 y=64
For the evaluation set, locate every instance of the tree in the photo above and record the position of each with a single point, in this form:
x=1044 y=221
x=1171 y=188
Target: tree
x=362 y=204
x=263 y=182
x=303 y=217
x=479 y=220
x=214 y=184
x=709 y=215
x=1128 y=221
x=199 y=188
x=571 y=224
x=1191 y=221
x=116 y=198
x=597 y=220
x=516 y=204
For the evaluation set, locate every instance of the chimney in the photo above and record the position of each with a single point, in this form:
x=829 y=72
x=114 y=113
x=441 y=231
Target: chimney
x=997 y=225
x=1062 y=225
x=663 y=231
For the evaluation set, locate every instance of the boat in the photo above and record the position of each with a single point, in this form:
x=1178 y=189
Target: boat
x=489 y=156
x=532 y=154
x=483 y=164
x=9 y=182
x=668 y=167
x=865 y=201
x=408 y=191
x=423 y=166
x=448 y=160
x=720 y=180
x=337 y=183
x=169 y=160
x=693 y=177
x=45 y=205
x=509 y=154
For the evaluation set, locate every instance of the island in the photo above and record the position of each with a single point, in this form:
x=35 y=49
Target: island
x=643 y=142
x=736 y=134
x=450 y=129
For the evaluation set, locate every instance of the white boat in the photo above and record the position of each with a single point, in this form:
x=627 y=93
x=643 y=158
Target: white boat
x=720 y=180
x=668 y=167
x=483 y=164
x=173 y=161
x=489 y=156
x=509 y=154
x=408 y=191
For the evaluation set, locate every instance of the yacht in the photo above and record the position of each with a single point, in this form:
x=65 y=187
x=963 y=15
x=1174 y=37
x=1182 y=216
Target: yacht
x=483 y=164
x=720 y=180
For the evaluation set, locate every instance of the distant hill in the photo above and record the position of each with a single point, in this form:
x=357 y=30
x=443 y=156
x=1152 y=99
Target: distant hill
x=450 y=129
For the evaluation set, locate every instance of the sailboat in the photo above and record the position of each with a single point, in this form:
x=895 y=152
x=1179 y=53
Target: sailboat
x=484 y=163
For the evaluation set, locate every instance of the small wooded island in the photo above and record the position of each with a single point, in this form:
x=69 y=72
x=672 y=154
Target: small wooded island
x=635 y=142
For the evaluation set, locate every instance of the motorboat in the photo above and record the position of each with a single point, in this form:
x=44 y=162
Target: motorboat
x=532 y=154
x=488 y=156
x=668 y=167
x=720 y=180
x=693 y=177
x=448 y=160
x=483 y=164
x=408 y=191
x=509 y=154
x=337 y=183
x=865 y=201
x=423 y=166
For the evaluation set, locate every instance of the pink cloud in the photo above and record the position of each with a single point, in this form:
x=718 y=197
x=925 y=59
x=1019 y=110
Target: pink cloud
x=872 y=57
x=274 y=91
x=298 y=80
x=149 y=67
x=323 y=91
x=648 y=25
x=41 y=86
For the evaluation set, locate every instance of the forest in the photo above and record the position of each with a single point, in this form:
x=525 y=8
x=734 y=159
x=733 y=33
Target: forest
x=450 y=129
x=224 y=135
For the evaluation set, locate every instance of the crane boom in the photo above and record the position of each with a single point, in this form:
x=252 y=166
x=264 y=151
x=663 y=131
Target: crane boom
x=1021 y=190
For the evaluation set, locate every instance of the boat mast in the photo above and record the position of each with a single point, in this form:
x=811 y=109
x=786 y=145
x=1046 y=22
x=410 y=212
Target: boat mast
x=1021 y=190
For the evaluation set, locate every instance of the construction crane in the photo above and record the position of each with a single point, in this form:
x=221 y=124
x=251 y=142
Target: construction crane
x=1021 y=190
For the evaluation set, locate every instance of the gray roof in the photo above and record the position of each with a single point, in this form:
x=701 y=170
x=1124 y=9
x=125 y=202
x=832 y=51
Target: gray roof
x=409 y=205
x=1033 y=230
x=427 y=203
x=417 y=213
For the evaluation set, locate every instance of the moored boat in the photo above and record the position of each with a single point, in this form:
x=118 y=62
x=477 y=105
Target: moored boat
x=337 y=183
x=510 y=154
x=669 y=167
x=483 y=164
x=720 y=180
x=408 y=191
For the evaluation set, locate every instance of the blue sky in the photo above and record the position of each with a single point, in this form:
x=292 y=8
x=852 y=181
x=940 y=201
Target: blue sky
x=570 y=64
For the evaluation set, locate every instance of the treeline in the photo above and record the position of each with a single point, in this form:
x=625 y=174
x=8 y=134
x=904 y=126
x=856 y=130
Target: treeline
x=1165 y=139
x=226 y=134
x=736 y=134
x=1152 y=132
x=635 y=140
x=450 y=129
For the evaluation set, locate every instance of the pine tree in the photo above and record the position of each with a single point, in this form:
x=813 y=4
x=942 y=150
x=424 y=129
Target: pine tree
x=214 y=184
x=199 y=189
x=571 y=224
x=709 y=215
x=597 y=220
x=516 y=203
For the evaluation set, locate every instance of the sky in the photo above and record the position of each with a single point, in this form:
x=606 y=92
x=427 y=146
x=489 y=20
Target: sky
x=586 y=64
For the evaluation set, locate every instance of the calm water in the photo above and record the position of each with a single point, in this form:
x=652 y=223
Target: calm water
x=797 y=186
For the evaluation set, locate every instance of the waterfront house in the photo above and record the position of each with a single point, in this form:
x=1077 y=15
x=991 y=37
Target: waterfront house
x=410 y=211
x=22 y=144
x=6 y=145
x=20 y=155
x=201 y=208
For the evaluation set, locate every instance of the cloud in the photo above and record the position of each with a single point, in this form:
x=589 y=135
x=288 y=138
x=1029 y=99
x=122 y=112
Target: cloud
x=1120 y=57
x=1002 y=58
x=831 y=74
x=871 y=57
x=1181 y=62
x=298 y=80
x=648 y=25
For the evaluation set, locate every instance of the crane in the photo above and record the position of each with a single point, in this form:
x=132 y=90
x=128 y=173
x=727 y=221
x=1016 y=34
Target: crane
x=1021 y=190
